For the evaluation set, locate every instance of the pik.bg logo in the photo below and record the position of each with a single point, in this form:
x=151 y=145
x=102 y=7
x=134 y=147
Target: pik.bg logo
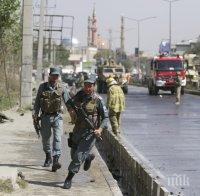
x=177 y=180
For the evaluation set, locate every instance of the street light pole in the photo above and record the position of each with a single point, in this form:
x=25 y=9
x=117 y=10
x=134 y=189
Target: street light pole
x=139 y=63
x=170 y=21
x=170 y=26
x=138 y=27
x=138 y=35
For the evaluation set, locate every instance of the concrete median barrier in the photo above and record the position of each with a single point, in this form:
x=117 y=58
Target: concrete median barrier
x=130 y=172
x=193 y=92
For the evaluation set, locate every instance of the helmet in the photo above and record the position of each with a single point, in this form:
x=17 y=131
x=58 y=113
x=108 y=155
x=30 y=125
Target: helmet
x=111 y=81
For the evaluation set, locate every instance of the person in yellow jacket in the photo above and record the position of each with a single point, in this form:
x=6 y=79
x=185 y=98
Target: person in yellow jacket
x=115 y=103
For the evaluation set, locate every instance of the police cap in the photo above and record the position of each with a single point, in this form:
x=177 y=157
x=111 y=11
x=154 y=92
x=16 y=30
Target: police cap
x=55 y=71
x=91 y=79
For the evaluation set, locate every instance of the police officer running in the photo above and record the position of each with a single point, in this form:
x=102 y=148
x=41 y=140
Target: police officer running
x=48 y=104
x=84 y=137
x=115 y=103
x=178 y=82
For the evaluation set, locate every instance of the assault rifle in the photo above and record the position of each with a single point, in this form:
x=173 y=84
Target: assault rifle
x=80 y=112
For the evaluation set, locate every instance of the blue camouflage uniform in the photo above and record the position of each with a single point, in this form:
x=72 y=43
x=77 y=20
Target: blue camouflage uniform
x=51 y=118
x=83 y=138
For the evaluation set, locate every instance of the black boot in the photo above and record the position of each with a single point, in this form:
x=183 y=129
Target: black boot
x=48 y=160
x=56 y=165
x=88 y=161
x=68 y=181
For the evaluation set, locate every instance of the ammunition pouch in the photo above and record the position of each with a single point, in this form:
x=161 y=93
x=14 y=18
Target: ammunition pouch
x=50 y=102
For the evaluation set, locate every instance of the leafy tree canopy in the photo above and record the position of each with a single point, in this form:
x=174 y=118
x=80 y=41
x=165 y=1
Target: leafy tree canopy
x=9 y=14
x=128 y=64
x=103 y=53
x=196 y=49
x=62 y=55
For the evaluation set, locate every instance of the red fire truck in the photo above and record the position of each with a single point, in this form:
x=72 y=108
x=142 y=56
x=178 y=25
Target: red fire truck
x=162 y=73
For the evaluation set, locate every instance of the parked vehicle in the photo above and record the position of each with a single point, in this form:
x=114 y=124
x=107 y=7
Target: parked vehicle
x=162 y=73
x=69 y=78
x=192 y=75
x=114 y=70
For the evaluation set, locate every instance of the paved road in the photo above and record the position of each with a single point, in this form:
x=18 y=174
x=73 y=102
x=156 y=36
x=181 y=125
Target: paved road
x=167 y=135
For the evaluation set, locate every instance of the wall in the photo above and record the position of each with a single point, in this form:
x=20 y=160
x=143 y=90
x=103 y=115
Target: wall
x=127 y=169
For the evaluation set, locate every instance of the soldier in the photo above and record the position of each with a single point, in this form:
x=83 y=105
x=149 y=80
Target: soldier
x=115 y=103
x=105 y=62
x=116 y=78
x=112 y=62
x=84 y=137
x=48 y=104
x=81 y=81
x=178 y=82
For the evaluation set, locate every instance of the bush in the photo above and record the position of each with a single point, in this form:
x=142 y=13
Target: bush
x=6 y=186
x=22 y=183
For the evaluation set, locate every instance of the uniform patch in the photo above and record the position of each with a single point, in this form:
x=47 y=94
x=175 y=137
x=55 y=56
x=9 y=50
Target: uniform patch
x=104 y=108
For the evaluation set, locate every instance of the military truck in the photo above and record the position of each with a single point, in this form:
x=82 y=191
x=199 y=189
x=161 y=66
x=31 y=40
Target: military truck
x=192 y=75
x=114 y=70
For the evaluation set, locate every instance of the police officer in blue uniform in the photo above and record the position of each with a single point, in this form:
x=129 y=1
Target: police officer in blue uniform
x=83 y=137
x=48 y=105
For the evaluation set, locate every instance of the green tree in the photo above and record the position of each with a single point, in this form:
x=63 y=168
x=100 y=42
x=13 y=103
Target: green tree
x=128 y=64
x=104 y=53
x=10 y=40
x=9 y=15
x=196 y=49
x=62 y=55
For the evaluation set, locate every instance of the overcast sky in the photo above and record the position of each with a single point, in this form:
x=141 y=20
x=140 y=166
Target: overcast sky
x=185 y=20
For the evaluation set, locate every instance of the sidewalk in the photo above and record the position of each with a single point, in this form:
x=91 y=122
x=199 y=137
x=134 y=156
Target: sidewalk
x=21 y=149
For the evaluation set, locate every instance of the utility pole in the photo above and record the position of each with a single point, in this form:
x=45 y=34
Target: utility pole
x=27 y=55
x=138 y=21
x=50 y=42
x=110 y=40
x=40 y=44
x=170 y=21
x=122 y=35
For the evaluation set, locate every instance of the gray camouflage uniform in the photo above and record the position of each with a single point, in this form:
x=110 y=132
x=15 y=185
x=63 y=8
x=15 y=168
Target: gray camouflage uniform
x=51 y=119
x=83 y=138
